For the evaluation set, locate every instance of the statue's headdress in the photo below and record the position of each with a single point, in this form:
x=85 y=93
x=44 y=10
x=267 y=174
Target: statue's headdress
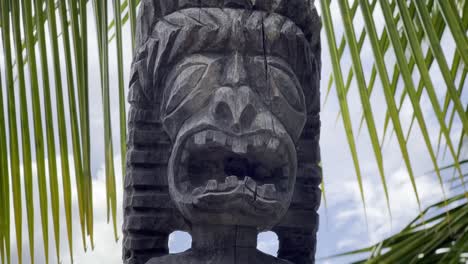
x=170 y=29
x=301 y=12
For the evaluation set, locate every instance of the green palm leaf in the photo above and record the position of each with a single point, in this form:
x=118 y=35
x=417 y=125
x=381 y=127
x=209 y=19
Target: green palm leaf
x=52 y=163
x=13 y=134
x=363 y=91
x=62 y=130
x=123 y=111
x=25 y=139
x=4 y=185
x=442 y=225
x=424 y=15
x=342 y=94
x=38 y=130
x=74 y=120
x=100 y=14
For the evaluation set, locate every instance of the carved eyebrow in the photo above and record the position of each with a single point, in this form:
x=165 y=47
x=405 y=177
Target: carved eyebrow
x=203 y=59
x=176 y=67
x=174 y=75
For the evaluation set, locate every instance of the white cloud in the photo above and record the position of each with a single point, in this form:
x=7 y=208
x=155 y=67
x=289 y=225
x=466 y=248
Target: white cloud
x=267 y=242
x=179 y=242
x=106 y=249
x=346 y=243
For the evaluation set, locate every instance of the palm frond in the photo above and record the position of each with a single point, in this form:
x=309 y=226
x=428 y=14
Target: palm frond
x=100 y=15
x=62 y=130
x=4 y=186
x=342 y=94
x=439 y=235
x=407 y=25
x=25 y=138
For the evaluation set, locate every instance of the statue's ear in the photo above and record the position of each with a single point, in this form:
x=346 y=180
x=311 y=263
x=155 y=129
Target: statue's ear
x=297 y=230
x=149 y=213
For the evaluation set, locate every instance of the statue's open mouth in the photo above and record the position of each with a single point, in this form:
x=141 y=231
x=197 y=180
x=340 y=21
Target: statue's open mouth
x=214 y=164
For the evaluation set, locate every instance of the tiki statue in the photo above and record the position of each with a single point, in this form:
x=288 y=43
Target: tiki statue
x=224 y=130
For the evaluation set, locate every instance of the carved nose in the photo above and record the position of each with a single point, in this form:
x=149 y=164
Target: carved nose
x=234 y=108
x=235 y=73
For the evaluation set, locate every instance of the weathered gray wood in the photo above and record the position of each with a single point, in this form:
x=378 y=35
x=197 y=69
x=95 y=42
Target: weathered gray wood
x=224 y=130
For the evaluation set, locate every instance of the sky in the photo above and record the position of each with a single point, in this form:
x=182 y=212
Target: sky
x=343 y=224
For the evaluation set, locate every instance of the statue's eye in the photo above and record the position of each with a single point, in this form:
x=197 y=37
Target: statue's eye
x=284 y=82
x=281 y=82
x=186 y=79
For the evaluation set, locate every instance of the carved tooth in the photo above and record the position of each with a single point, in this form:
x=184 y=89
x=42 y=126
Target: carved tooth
x=198 y=191
x=267 y=191
x=209 y=135
x=212 y=185
x=231 y=181
x=273 y=144
x=200 y=138
x=250 y=183
x=249 y=141
x=239 y=146
x=258 y=140
x=219 y=137
x=236 y=142
x=270 y=187
x=228 y=141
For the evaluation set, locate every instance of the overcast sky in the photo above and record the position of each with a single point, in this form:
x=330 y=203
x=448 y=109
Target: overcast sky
x=343 y=223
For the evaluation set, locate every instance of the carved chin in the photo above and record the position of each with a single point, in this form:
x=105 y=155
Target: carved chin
x=219 y=172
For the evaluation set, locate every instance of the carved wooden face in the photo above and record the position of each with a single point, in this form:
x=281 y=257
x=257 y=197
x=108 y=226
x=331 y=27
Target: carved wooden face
x=234 y=116
x=234 y=149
